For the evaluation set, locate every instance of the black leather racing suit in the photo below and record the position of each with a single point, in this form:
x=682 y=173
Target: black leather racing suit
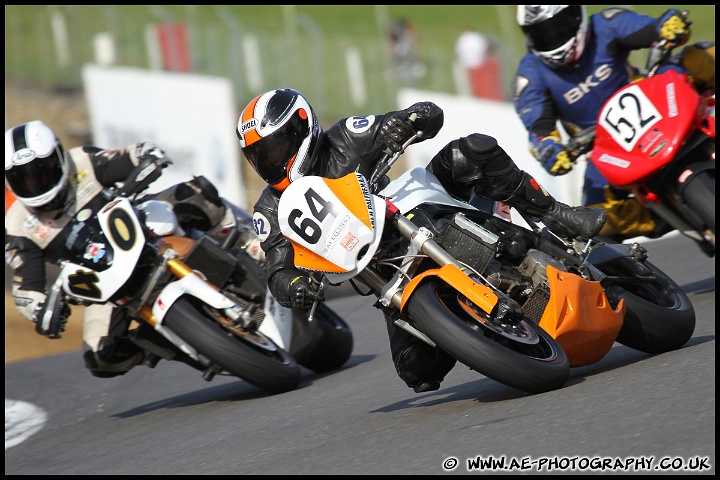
x=353 y=144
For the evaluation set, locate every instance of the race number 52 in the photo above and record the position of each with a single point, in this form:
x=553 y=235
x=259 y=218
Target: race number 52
x=628 y=115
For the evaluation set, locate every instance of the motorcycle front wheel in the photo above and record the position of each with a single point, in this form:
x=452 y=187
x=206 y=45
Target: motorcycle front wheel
x=517 y=353
x=248 y=355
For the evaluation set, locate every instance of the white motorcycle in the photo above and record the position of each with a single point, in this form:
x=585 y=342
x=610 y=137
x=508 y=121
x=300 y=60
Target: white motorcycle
x=194 y=300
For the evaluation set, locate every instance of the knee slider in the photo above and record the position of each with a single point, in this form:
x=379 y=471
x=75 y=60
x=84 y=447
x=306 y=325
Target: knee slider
x=478 y=147
x=484 y=151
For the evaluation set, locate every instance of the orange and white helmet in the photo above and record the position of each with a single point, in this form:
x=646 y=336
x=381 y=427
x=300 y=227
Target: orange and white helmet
x=555 y=33
x=280 y=136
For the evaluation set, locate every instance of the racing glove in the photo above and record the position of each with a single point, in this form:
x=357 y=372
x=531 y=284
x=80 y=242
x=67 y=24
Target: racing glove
x=150 y=151
x=298 y=292
x=397 y=127
x=673 y=26
x=304 y=291
x=553 y=156
x=50 y=317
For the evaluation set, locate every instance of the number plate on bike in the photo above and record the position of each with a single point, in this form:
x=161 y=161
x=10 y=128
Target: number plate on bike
x=330 y=221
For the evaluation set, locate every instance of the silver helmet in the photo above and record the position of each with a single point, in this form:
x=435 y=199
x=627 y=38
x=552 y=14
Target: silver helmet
x=555 y=33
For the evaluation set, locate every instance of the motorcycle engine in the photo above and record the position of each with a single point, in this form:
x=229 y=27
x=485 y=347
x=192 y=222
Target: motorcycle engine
x=534 y=266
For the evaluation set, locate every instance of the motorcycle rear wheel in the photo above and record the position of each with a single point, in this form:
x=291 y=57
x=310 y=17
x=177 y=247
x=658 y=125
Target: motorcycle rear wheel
x=659 y=316
x=533 y=366
x=335 y=344
x=700 y=196
x=248 y=355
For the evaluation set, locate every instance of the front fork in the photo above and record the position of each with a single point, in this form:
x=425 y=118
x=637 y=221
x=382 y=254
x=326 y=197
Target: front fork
x=189 y=282
x=399 y=289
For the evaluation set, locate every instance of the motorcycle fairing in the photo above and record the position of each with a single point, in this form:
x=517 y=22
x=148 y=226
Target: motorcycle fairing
x=335 y=225
x=642 y=126
x=579 y=316
x=278 y=322
x=160 y=218
x=417 y=186
x=477 y=293
x=125 y=237
x=190 y=284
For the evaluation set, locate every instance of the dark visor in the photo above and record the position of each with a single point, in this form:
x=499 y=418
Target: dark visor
x=36 y=177
x=270 y=155
x=554 y=32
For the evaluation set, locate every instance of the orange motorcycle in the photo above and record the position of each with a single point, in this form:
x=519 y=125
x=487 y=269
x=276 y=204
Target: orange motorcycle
x=516 y=304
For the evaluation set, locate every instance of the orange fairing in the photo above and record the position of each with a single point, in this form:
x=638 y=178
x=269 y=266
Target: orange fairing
x=306 y=258
x=477 y=293
x=346 y=188
x=579 y=316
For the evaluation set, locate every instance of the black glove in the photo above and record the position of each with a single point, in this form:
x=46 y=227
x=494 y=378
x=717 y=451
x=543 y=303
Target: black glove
x=50 y=317
x=397 y=127
x=428 y=117
x=396 y=130
x=304 y=291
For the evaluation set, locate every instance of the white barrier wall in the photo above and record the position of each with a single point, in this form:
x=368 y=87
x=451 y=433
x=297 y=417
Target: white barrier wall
x=466 y=115
x=191 y=117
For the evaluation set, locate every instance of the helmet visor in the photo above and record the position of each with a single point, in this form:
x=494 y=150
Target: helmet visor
x=36 y=178
x=554 y=32
x=270 y=156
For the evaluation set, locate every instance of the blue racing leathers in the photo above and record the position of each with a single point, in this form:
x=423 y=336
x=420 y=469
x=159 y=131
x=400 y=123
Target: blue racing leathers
x=575 y=93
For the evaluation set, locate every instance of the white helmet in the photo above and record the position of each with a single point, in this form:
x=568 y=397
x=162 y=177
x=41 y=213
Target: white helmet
x=555 y=33
x=280 y=136
x=35 y=167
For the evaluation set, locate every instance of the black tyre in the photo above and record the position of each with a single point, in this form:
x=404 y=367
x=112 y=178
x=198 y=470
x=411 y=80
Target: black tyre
x=519 y=354
x=335 y=344
x=249 y=356
x=700 y=196
x=659 y=317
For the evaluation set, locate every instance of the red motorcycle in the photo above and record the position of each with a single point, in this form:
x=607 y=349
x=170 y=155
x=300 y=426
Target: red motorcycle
x=656 y=139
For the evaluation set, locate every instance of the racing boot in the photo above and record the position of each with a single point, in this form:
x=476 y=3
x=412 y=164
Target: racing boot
x=420 y=366
x=478 y=162
x=563 y=220
x=113 y=360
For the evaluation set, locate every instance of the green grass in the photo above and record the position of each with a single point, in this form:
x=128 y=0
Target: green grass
x=301 y=46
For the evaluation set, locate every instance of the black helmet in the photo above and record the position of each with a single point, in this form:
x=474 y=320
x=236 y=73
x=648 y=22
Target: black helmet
x=555 y=33
x=280 y=136
x=35 y=167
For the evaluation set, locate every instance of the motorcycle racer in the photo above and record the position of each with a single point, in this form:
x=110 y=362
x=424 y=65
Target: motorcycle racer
x=572 y=66
x=52 y=186
x=282 y=139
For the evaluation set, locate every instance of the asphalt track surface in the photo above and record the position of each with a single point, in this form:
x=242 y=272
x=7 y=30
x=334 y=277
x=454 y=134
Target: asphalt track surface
x=629 y=413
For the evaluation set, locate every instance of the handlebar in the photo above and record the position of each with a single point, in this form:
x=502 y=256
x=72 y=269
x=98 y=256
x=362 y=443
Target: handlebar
x=149 y=170
x=580 y=143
